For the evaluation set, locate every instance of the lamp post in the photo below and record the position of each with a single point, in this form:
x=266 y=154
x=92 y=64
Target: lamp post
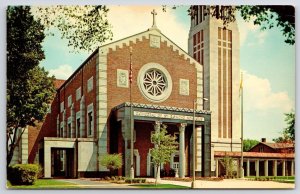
x=194 y=141
x=242 y=126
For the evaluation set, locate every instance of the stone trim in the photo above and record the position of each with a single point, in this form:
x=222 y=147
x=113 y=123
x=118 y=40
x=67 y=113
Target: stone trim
x=101 y=105
x=158 y=107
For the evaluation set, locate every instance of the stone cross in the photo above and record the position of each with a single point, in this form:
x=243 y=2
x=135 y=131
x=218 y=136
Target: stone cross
x=154 y=14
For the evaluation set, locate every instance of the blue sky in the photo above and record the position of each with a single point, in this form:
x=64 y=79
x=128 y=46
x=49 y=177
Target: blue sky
x=267 y=62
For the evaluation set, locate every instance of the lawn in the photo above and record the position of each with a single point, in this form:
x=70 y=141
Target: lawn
x=44 y=184
x=282 y=179
x=160 y=186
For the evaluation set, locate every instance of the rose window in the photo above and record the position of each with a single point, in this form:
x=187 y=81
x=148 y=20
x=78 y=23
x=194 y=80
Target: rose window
x=154 y=82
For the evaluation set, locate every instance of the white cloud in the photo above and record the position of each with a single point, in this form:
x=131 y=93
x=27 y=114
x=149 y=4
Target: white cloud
x=248 y=28
x=62 y=72
x=122 y=17
x=258 y=95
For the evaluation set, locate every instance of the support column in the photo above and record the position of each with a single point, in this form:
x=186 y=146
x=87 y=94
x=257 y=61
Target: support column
x=292 y=168
x=257 y=168
x=266 y=167
x=275 y=168
x=248 y=167
x=217 y=168
x=47 y=161
x=157 y=130
x=181 y=150
x=283 y=167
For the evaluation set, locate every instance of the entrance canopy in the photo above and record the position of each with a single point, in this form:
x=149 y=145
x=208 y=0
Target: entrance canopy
x=151 y=112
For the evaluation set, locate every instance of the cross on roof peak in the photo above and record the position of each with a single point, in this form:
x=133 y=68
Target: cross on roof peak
x=154 y=13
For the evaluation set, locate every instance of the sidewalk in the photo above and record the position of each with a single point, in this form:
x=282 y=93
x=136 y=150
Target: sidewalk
x=231 y=184
x=200 y=184
x=88 y=184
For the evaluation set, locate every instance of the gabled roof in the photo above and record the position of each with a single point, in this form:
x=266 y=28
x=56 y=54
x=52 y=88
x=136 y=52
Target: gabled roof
x=104 y=49
x=139 y=37
x=279 y=145
x=274 y=146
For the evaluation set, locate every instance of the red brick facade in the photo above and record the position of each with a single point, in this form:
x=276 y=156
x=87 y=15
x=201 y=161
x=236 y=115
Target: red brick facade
x=177 y=64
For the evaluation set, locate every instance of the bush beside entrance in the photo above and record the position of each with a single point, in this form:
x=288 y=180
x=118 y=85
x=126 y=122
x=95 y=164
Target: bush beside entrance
x=23 y=174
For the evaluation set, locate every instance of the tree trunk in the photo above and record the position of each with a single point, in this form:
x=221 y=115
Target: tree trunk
x=157 y=168
x=13 y=144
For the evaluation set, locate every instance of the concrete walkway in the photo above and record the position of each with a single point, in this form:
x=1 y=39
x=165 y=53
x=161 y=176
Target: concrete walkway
x=232 y=184
x=88 y=184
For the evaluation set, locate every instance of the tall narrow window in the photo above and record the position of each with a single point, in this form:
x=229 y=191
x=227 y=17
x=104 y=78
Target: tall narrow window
x=224 y=83
x=198 y=40
x=90 y=123
x=78 y=127
x=90 y=84
x=78 y=93
x=69 y=130
x=69 y=100
x=90 y=120
x=61 y=131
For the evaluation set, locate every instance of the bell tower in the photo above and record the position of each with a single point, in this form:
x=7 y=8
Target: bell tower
x=216 y=46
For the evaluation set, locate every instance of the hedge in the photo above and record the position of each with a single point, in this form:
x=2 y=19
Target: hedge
x=135 y=180
x=23 y=174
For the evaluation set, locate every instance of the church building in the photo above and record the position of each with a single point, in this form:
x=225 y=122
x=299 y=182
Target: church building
x=125 y=91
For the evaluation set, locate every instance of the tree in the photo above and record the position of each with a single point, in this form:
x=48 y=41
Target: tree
x=111 y=161
x=229 y=166
x=265 y=16
x=29 y=89
x=248 y=144
x=165 y=145
x=288 y=133
x=85 y=27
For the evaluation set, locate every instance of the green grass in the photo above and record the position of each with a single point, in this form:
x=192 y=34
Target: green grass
x=44 y=184
x=281 y=179
x=160 y=186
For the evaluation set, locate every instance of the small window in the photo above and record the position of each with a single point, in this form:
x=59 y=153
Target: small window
x=62 y=106
x=90 y=120
x=69 y=100
x=78 y=127
x=78 y=93
x=261 y=149
x=90 y=123
x=90 y=84
x=61 y=131
x=69 y=130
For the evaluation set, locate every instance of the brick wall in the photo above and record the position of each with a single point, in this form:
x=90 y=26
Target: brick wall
x=176 y=65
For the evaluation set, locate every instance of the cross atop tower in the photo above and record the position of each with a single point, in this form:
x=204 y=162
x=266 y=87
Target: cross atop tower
x=154 y=14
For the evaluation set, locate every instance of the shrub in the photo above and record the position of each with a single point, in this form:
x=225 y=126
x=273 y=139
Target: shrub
x=135 y=180
x=112 y=162
x=23 y=174
x=172 y=172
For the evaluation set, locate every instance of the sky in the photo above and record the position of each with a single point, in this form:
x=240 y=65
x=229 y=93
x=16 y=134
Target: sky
x=267 y=63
